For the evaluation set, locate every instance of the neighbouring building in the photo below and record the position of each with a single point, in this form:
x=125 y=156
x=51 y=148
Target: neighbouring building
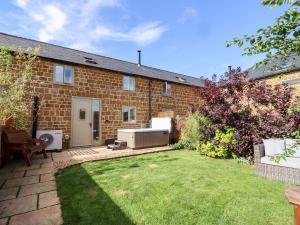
x=289 y=73
x=89 y=96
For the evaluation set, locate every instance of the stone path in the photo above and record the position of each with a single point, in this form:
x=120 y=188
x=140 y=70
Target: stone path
x=28 y=195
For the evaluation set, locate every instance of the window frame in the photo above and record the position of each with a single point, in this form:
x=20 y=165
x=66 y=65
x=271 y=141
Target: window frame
x=63 y=82
x=82 y=110
x=167 y=109
x=123 y=82
x=165 y=85
x=129 y=114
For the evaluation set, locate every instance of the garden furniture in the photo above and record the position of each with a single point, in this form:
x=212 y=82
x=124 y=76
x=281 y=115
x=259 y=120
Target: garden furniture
x=293 y=195
x=287 y=170
x=17 y=141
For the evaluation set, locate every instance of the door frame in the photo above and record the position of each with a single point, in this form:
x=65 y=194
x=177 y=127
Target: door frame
x=93 y=142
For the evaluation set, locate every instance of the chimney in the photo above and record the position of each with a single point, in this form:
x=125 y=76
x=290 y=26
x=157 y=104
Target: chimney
x=139 y=58
x=229 y=69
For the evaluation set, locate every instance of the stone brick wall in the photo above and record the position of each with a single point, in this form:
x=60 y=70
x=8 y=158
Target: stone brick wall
x=56 y=99
x=278 y=79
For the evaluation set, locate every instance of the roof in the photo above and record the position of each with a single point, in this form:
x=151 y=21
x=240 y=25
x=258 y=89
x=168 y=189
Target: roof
x=290 y=64
x=56 y=52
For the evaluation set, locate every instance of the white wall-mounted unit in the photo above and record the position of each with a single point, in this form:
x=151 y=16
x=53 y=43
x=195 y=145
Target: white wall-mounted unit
x=52 y=138
x=161 y=123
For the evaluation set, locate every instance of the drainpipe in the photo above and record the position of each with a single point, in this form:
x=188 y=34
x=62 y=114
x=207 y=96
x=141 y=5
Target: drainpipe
x=35 y=116
x=150 y=99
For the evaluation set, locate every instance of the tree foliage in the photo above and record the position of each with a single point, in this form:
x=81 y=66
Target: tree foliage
x=255 y=110
x=15 y=72
x=274 y=3
x=277 y=41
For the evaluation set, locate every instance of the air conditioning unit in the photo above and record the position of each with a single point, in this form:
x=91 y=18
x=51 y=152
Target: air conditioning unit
x=52 y=138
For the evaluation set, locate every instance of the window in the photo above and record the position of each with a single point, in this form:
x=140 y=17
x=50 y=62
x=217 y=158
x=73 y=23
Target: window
x=128 y=83
x=82 y=114
x=90 y=60
x=167 y=89
x=63 y=74
x=166 y=109
x=181 y=79
x=129 y=114
x=96 y=118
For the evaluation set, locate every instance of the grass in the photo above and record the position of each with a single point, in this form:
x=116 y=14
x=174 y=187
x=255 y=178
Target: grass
x=178 y=187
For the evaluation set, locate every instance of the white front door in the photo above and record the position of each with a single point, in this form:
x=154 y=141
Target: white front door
x=82 y=122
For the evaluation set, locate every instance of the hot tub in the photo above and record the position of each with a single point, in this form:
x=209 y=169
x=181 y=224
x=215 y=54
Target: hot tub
x=143 y=138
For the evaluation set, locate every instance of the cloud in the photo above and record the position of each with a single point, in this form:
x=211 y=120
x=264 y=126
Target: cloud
x=52 y=20
x=187 y=14
x=21 y=3
x=93 y=5
x=81 y=24
x=47 y=19
x=142 y=35
x=146 y=33
x=90 y=7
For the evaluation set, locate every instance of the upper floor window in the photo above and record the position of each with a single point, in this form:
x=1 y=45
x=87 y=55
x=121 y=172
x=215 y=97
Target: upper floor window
x=167 y=109
x=128 y=83
x=63 y=74
x=167 y=89
x=129 y=114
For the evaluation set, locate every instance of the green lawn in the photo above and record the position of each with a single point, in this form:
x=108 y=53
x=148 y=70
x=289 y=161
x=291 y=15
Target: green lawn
x=170 y=188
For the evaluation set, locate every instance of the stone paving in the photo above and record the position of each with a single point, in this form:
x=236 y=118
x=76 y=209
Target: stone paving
x=28 y=195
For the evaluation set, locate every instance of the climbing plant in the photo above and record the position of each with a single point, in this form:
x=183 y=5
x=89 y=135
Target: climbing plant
x=15 y=72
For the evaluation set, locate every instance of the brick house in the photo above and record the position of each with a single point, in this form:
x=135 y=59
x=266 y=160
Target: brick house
x=89 y=96
x=288 y=74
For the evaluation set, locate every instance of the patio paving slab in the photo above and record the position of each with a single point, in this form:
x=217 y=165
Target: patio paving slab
x=47 y=165
x=48 y=199
x=39 y=171
x=3 y=221
x=10 y=175
x=32 y=167
x=47 y=177
x=18 y=205
x=8 y=193
x=37 y=188
x=39 y=161
x=61 y=154
x=21 y=181
x=46 y=216
x=60 y=159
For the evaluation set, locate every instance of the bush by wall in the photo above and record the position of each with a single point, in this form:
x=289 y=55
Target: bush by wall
x=238 y=113
x=254 y=109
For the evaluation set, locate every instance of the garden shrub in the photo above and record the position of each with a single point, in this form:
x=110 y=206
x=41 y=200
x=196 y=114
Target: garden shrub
x=254 y=109
x=191 y=129
x=294 y=134
x=197 y=128
x=221 y=146
x=183 y=144
x=237 y=113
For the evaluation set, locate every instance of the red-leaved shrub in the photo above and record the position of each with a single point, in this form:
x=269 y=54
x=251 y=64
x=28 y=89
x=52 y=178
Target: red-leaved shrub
x=255 y=109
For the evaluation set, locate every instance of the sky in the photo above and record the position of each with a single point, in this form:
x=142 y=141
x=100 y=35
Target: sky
x=183 y=36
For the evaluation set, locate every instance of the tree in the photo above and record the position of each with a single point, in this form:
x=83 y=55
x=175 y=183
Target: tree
x=274 y=3
x=15 y=72
x=279 y=41
x=254 y=110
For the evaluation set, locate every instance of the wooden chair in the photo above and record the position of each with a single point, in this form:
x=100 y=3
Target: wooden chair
x=19 y=142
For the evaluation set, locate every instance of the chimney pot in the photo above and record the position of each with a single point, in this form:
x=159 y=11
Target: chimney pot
x=229 y=68
x=139 y=58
